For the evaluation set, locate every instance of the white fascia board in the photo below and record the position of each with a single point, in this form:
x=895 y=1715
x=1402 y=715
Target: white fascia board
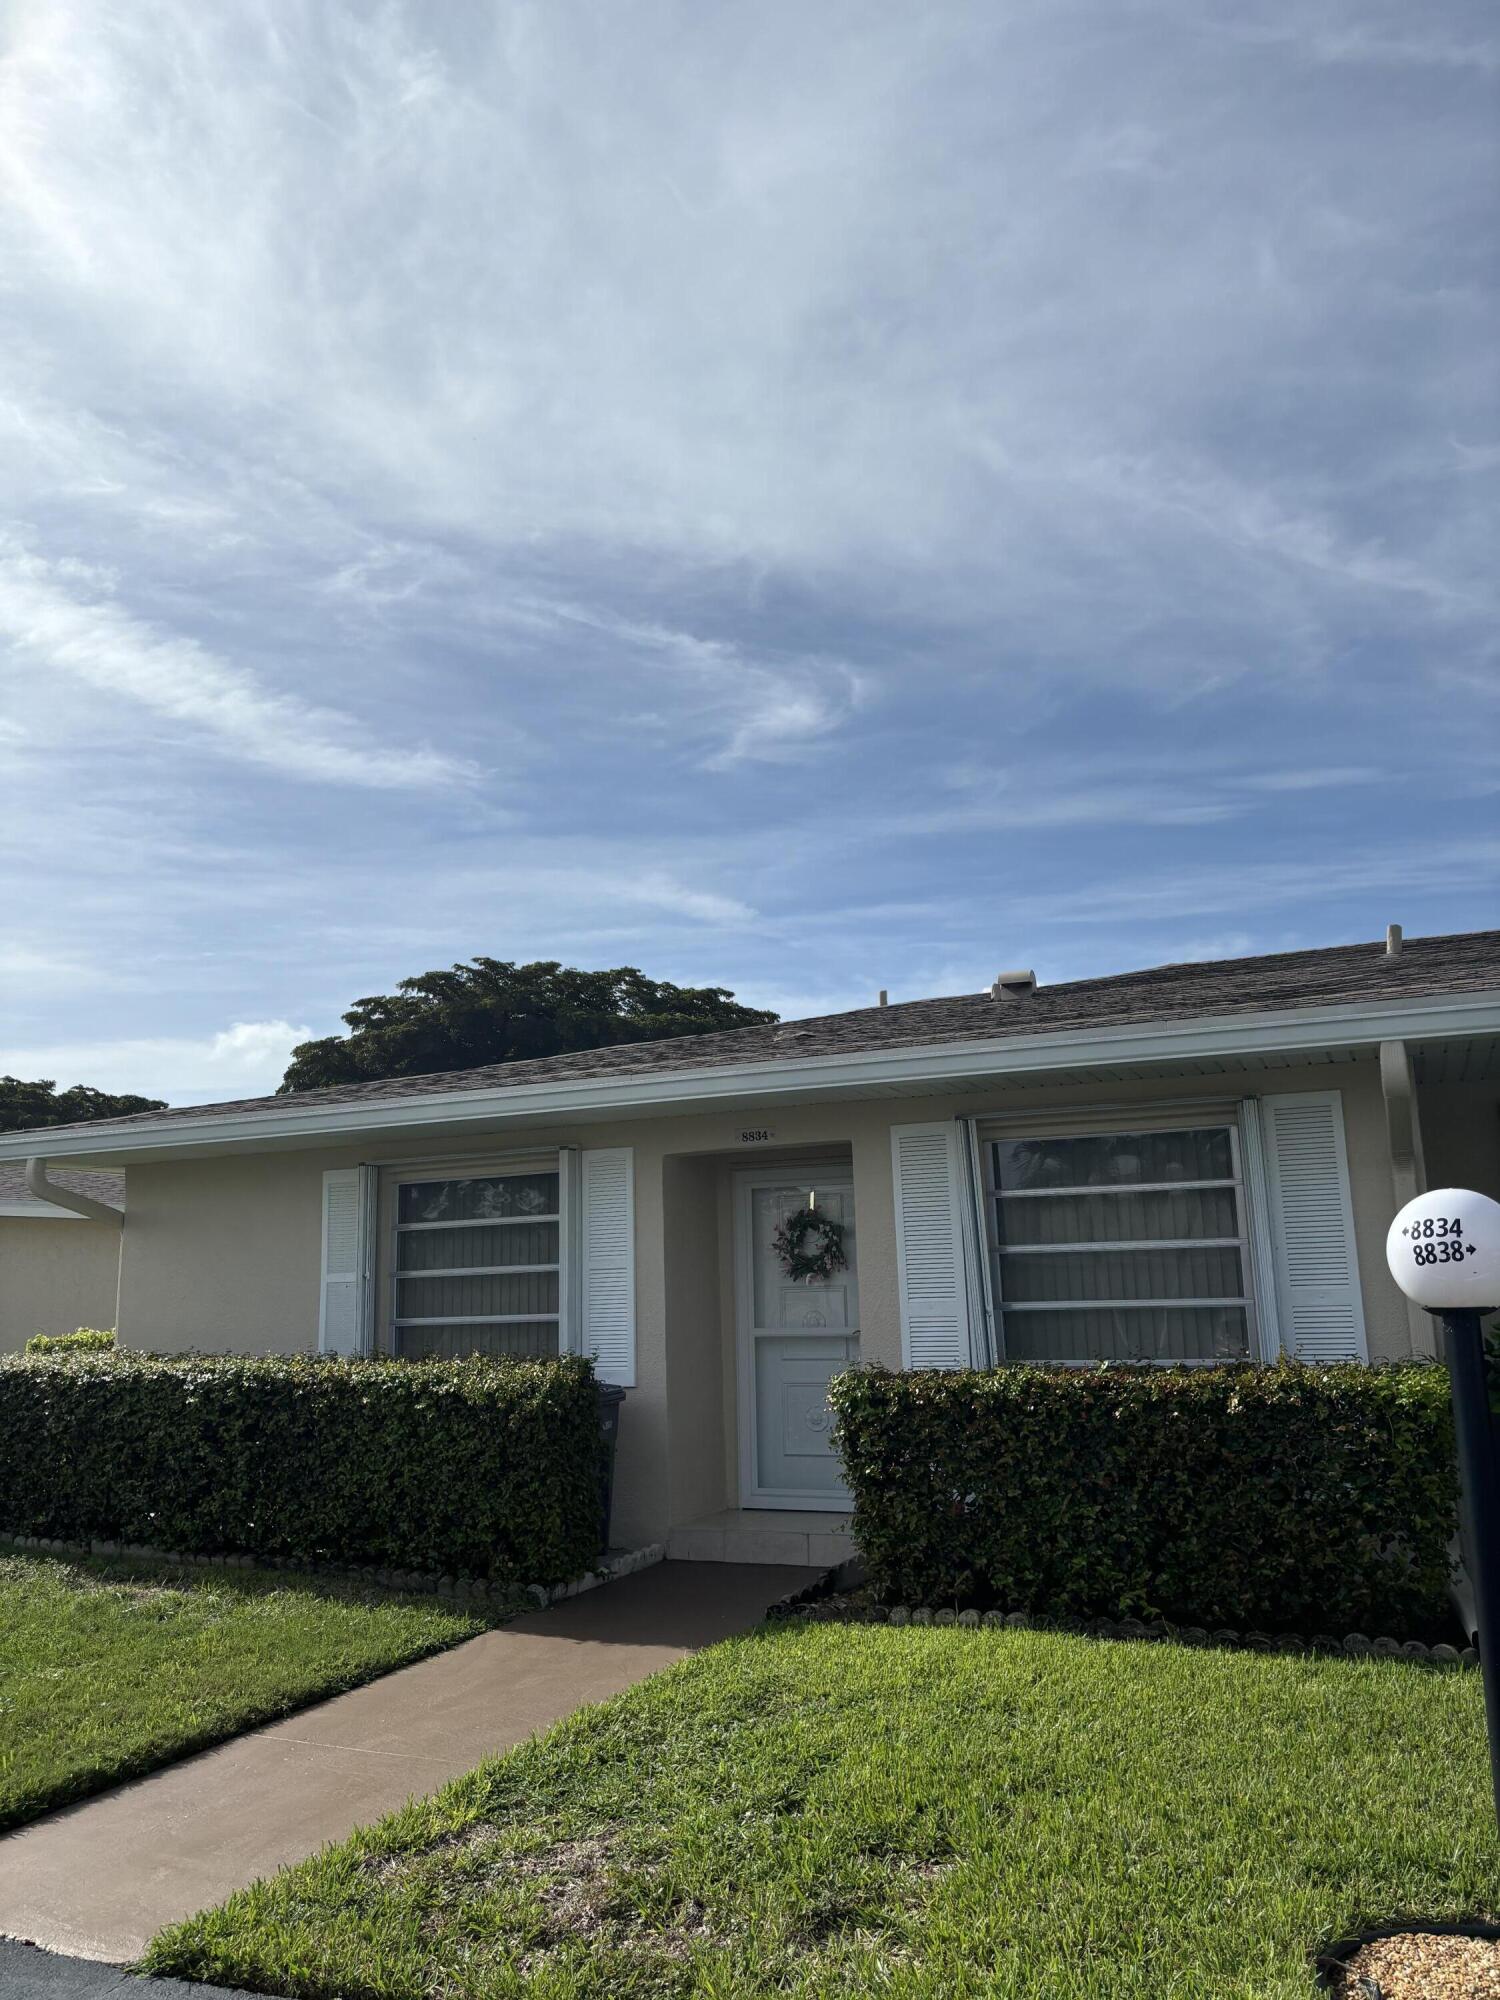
x=36 y=1211
x=1290 y=1030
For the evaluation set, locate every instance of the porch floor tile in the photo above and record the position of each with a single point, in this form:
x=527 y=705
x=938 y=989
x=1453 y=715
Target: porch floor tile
x=763 y=1535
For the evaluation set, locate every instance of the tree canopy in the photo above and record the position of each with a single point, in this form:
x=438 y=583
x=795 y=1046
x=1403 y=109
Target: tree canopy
x=495 y=1011
x=23 y=1105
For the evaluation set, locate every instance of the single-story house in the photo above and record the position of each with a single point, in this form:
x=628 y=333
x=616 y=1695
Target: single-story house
x=53 y=1280
x=1186 y=1164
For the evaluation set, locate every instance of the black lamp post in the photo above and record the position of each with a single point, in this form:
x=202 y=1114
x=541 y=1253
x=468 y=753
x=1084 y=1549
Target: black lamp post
x=1444 y=1252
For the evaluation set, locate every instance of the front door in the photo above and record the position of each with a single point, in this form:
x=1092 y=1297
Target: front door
x=794 y=1335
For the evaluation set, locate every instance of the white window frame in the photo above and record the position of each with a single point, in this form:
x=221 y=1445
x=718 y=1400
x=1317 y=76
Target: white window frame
x=489 y=1167
x=1082 y=1124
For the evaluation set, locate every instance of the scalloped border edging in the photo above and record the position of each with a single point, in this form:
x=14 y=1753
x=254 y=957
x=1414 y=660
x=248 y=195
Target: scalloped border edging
x=466 y=1589
x=807 y=1607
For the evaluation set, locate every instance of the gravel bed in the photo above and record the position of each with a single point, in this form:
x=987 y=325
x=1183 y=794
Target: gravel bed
x=1422 y=1965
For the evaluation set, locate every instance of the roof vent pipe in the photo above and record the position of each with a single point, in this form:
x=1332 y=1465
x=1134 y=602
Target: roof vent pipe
x=884 y=998
x=1393 y=940
x=1012 y=983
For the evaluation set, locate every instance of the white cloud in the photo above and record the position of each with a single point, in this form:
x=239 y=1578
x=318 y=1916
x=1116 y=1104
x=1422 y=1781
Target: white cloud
x=246 y=1059
x=703 y=433
x=53 y=626
x=837 y=315
x=661 y=892
x=751 y=704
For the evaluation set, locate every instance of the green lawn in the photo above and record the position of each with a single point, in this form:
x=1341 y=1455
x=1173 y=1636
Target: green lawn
x=823 y=1810
x=108 y=1668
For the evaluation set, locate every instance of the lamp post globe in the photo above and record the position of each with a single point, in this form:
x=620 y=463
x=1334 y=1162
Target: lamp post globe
x=1444 y=1251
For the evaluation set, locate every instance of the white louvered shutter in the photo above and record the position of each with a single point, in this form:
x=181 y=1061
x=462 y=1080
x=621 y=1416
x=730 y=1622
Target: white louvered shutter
x=607 y=1258
x=1312 y=1226
x=341 y=1315
x=934 y=1290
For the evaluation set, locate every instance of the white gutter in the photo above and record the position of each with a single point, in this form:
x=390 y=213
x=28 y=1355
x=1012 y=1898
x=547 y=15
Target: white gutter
x=1284 y=1031
x=37 y=1184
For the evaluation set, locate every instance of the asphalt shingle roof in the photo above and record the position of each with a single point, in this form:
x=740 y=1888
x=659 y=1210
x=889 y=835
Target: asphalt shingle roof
x=99 y=1184
x=1425 y=967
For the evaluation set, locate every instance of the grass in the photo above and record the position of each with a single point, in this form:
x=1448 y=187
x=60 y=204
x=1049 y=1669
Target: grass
x=109 y=1668
x=826 y=1810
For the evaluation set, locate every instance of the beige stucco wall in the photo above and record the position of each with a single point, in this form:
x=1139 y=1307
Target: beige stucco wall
x=55 y=1275
x=1461 y=1135
x=699 y=1361
x=225 y=1254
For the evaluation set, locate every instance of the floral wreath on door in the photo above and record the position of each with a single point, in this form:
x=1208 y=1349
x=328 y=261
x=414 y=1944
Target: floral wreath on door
x=809 y=1246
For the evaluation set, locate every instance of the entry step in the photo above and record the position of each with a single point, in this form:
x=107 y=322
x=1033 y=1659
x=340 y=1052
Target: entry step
x=763 y=1535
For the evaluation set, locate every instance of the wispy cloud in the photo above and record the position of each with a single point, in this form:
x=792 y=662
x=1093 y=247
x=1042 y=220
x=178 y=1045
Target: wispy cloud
x=57 y=620
x=246 y=1059
x=472 y=486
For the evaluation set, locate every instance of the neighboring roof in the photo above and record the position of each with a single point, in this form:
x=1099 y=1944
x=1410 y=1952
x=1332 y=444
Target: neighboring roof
x=17 y=1200
x=1358 y=976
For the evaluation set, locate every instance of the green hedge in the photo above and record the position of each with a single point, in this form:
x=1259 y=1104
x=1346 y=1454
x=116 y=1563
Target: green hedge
x=1286 y=1499
x=83 y=1340
x=484 y=1468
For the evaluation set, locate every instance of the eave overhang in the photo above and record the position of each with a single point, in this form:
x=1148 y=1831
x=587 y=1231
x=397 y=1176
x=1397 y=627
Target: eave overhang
x=1283 y=1032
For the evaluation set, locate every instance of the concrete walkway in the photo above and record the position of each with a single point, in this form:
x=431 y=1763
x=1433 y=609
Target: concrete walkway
x=99 y=1879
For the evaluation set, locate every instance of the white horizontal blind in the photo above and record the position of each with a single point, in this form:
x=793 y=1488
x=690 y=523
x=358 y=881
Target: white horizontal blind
x=477 y=1264
x=341 y=1312
x=1122 y=1244
x=934 y=1291
x=1312 y=1226
x=607 y=1259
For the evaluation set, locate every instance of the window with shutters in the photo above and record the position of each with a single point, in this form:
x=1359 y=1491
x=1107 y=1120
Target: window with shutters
x=1121 y=1246
x=476 y=1265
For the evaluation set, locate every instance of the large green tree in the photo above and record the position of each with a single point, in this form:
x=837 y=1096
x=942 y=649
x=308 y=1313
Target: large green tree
x=495 y=1011
x=23 y=1105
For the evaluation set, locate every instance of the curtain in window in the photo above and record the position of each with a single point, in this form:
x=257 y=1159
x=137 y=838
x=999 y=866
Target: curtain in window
x=1098 y=1239
x=477 y=1266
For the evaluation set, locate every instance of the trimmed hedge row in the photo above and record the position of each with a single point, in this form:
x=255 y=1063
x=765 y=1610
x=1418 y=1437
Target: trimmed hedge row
x=479 y=1468
x=83 y=1340
x=1289 y=1498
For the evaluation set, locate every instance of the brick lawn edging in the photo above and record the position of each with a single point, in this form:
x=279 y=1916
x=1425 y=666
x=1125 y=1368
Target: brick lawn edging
x=822 y=1602
x=466 y=1589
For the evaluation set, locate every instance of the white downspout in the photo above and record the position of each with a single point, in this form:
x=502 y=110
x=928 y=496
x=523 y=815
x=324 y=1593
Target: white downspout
x=1408 y=1169
x=38 y=1184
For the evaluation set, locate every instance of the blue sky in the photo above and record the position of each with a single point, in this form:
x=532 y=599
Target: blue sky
x=802 y=498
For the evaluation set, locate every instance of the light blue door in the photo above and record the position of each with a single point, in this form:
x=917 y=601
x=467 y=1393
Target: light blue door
x=799 y=1335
